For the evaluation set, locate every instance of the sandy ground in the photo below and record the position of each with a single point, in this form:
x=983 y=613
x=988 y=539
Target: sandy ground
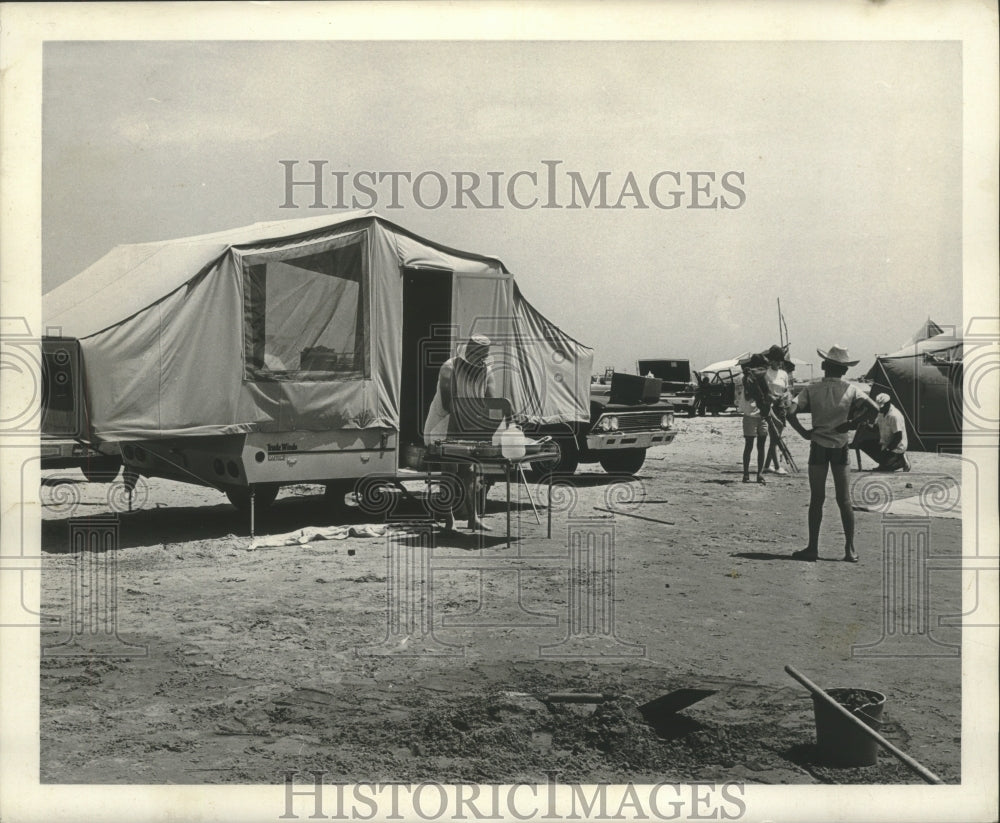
x=234 y=664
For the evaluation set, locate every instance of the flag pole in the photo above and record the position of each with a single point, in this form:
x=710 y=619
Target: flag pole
x=781 y=338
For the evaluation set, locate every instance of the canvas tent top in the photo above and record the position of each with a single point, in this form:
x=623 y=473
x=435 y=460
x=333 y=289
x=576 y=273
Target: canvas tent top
x=926 y=330
x=132 y=277
x=924 y=380
x=799 y=366
x=733 y=364
x=292 y=325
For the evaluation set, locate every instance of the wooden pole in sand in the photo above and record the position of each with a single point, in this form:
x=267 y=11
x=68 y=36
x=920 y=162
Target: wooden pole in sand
x=781 y=334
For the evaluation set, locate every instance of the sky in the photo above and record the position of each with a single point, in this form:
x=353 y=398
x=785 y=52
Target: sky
x=848 y=156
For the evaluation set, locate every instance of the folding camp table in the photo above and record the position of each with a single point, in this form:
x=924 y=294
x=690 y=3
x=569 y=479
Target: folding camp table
x=483 y=458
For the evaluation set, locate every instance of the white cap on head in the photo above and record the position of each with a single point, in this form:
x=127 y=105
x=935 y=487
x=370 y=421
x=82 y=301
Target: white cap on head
x=476 y=350
x=882 y=399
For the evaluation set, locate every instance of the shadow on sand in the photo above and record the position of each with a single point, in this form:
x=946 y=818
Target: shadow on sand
x=772 y=556
x=154 y=526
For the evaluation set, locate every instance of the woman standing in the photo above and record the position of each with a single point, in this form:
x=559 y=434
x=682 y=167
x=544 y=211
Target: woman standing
x=777 y=387
x=749 y=399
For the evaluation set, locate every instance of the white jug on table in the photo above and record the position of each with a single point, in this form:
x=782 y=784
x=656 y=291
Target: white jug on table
x=511 y=441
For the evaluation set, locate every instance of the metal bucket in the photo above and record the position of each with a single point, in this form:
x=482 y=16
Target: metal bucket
x=838 y=741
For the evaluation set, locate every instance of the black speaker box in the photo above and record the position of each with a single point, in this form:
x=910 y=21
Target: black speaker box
x=62 y=388
x=632 y=390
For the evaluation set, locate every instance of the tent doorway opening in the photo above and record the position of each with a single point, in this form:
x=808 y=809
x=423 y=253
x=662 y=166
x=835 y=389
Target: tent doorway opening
x=427 y=340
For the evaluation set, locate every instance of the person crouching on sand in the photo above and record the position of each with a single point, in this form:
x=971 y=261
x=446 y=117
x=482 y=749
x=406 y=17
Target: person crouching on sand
x=829 y=402
x=890 y=453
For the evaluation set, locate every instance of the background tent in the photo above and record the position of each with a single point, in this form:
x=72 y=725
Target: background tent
x=803 y=369
x=731 y=365
x=726 y=369
x=298 y=325
x=926 y=330
x=924 y=380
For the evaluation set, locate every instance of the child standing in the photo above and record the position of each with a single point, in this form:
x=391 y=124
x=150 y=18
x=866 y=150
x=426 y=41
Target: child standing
x=754 y=425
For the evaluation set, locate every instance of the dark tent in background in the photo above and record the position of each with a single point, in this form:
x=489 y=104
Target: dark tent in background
x=924 y=380
x=927 y=330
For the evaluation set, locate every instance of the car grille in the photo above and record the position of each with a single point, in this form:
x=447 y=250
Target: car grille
x=637 y=421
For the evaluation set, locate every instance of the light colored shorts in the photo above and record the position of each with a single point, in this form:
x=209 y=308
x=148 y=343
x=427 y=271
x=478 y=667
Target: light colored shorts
x=754 y=426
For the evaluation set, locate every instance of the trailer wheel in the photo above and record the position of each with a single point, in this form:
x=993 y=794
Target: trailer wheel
x=239 y=496
x=101 y=469
x=569 y=459
x=624 y=461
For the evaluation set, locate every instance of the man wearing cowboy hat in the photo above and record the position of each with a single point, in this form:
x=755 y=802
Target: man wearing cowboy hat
x=890 y=453
x=830 y=403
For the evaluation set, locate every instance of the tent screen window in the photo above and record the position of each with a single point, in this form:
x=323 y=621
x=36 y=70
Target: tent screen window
x=304 y=317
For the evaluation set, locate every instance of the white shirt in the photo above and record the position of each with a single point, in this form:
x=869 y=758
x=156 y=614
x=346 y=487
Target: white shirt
x=744 y=405
x=777 y=382
x=888 y=425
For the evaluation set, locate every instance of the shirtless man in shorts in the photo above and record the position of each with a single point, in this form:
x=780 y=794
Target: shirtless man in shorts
x=829 y=402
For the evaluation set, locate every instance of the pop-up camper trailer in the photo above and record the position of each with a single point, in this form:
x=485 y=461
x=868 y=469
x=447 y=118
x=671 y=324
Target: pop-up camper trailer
x=294 y=351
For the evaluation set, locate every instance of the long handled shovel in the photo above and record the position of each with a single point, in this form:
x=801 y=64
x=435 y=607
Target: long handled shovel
x=925 y=774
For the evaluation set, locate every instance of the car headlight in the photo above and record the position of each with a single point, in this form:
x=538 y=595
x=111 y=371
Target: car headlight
x=614 y=422
x=666 y=421
x=605 y=424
